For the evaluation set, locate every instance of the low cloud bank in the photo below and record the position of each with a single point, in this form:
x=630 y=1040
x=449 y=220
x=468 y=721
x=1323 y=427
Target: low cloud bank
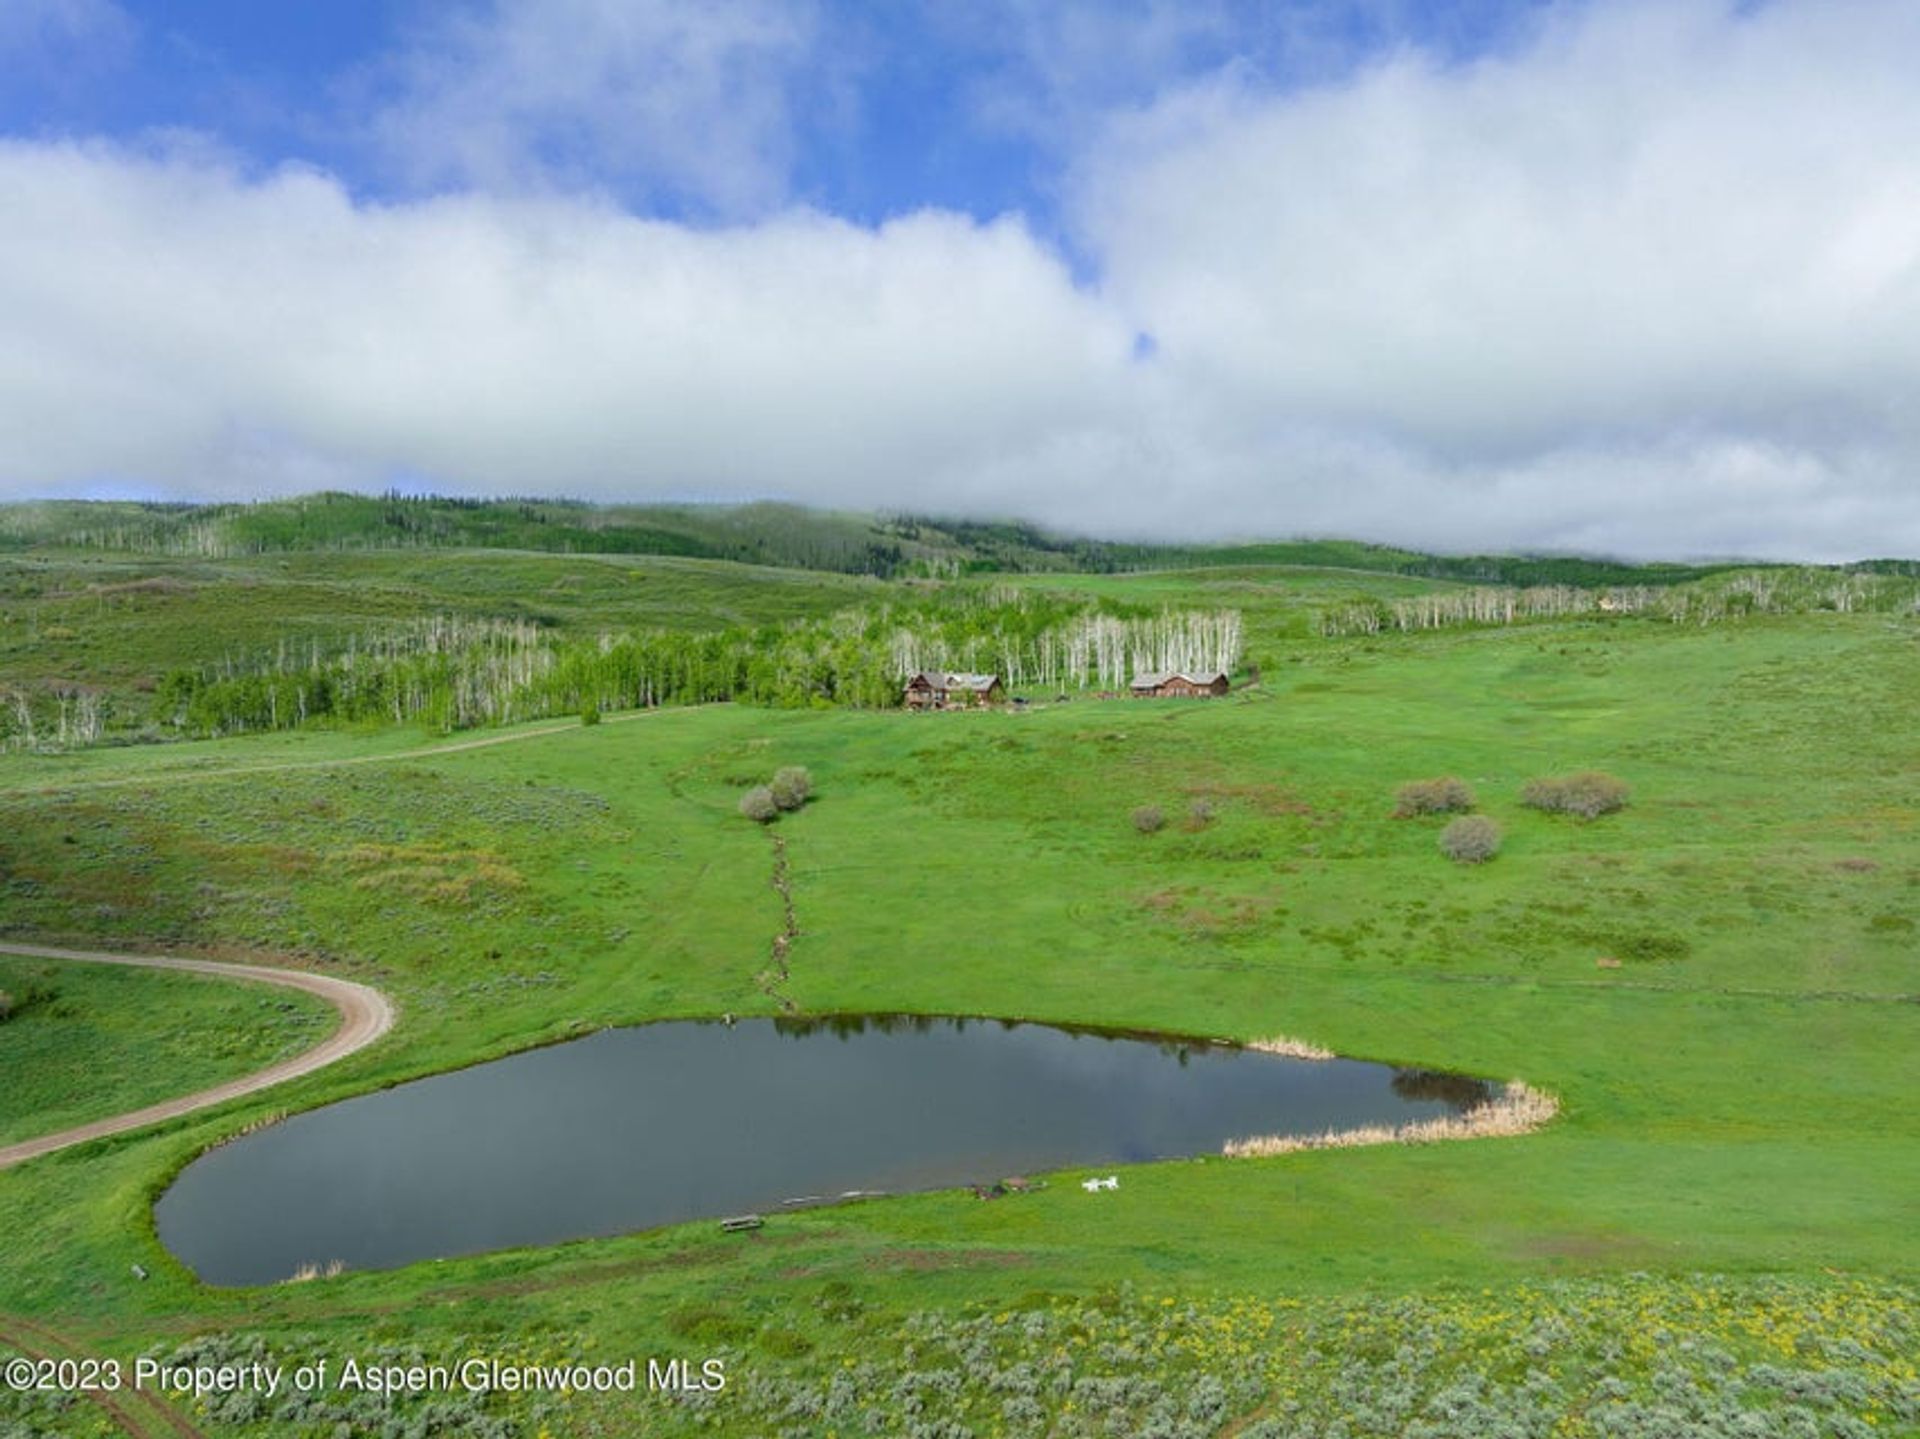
x=1648 y=283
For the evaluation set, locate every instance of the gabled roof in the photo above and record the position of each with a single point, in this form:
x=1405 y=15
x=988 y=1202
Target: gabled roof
x=1153 y=681
x=952 y=680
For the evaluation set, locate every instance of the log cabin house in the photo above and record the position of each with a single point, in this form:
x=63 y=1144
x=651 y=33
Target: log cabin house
x=945 y=689
x=1207 y=684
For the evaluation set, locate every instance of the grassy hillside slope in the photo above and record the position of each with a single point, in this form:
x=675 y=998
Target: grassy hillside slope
x=119 y=622
x=763 y=533
x=85 y=1041
x=1737 y=1090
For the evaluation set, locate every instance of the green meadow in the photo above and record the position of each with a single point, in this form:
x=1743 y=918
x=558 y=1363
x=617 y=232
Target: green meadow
x=82 y=1042
x=1720 y=982
x=121 y=621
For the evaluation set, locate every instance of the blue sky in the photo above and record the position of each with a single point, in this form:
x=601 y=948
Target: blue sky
x=970 y=106
x=1640 y=276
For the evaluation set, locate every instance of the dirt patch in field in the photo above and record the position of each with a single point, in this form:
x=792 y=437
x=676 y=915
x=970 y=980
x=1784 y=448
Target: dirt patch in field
x=1267 y=799
x=1205 y=913
x=154 y=585
x=547 y=1280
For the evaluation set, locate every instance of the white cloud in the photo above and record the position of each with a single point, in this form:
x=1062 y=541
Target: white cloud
x=689 y=101
x=1649 y=283
x=1655 y=218
x=1061 y=63
x=1661 y=240
x=44 y=42
x=36 y=22
x=174 y=320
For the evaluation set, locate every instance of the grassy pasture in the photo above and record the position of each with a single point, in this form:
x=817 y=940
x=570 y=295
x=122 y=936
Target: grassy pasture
x=121 y=622
x=115 y=625
x=1737 y=1089
x=87 y=1041
x=1279 y=601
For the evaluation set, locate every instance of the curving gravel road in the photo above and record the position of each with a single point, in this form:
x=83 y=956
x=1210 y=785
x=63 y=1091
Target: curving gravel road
x=365 y=1015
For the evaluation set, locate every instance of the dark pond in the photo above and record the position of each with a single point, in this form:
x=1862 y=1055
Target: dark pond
x=632 y=1128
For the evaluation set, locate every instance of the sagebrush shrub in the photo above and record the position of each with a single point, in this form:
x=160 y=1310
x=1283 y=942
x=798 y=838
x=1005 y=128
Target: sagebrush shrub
x=758 y=804
x=1473 y=839
x=792 y=786
x=1586 y=795
x=1148 y=818
x=1446 y=795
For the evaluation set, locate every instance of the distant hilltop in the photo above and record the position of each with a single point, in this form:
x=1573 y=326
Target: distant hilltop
x=889 y=546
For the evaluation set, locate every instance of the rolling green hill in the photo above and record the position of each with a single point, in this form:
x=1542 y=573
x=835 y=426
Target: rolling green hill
x=127 y=622
x=1718 y=982
x=773 y=534
x=760 y=534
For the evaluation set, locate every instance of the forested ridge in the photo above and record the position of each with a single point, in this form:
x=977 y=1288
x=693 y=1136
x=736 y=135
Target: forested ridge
x=889 y=546
x=321 y=614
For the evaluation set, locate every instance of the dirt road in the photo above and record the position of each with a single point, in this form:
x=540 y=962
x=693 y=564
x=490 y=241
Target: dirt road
x=365 y=1015
x=137 y=1413
x=487 y=741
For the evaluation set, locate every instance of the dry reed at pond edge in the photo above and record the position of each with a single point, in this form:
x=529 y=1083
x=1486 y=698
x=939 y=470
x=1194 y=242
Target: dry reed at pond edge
x=1519 y=1109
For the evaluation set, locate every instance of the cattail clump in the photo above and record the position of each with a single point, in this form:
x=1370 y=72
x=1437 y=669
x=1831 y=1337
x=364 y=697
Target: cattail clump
x=307 y=1273
x=1519 y=1109
x=1290 y=1048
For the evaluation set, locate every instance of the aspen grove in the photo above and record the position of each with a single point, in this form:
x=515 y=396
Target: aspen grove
x=458 y=674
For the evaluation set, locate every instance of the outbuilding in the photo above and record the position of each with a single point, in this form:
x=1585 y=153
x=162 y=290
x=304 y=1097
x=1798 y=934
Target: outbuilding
x=1178 y=684
x=949 y=689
